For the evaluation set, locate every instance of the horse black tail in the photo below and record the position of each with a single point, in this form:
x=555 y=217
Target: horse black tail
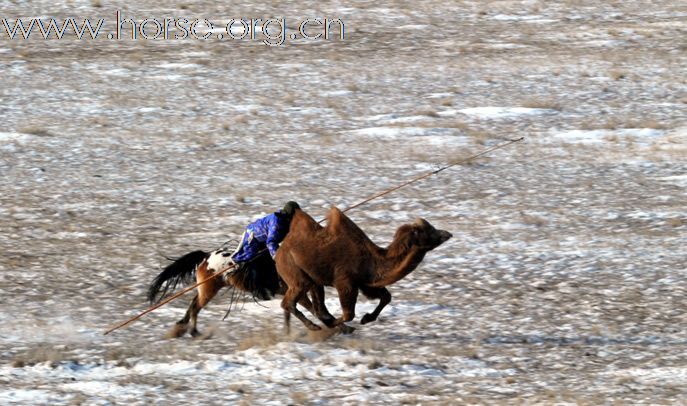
x=182 y=270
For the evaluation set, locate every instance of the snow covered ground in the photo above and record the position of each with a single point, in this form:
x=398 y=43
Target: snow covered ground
x=564 y=282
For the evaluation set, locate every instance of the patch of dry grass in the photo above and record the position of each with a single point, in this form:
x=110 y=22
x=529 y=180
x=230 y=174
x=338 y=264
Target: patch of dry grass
x=238 y=119
x=239 y=388
x=533 y=220
x=617 y=74
x=300 y=398
x=614 y=138
x=446 y=102
x=266 y=338
x=616 y=123
x=479 y=136
x=353 y=87
x=426 y=111
x=334 y=103
x=676 y=222
x=542 y=103
x=457 y=124
x=35 y=130
x=100 y=121
x=42 y=354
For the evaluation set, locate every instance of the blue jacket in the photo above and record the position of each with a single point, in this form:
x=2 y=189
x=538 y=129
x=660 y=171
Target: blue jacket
x=268 y=232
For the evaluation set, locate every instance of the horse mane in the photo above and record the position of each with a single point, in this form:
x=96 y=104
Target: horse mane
x=258 y=277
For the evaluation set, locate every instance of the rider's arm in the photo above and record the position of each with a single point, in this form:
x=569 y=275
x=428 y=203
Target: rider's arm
x=275 y=234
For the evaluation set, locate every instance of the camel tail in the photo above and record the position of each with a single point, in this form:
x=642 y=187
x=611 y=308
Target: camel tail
x=181 y=270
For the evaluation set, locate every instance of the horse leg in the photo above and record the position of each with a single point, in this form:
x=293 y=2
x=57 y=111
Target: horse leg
x=181 y=326
x=375 y=293
x=206 y=292
x=195 y=309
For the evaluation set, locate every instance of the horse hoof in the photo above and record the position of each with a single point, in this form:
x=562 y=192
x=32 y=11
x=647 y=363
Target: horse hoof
x=346 y=329
x=367 y=318
x=205 y=336
x=314 y=327
x=195 y=333
x=177 y=331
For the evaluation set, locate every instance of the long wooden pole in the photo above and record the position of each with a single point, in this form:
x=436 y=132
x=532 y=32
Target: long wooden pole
x=428 y=174
x=373 y=197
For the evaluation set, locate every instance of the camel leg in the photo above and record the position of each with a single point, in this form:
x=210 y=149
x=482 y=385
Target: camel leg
x=287 y=321
x=316 y=307
x=298 y=285
x=348 y=296
x=292 y=296
x=319 y=308
x=375 y=293
x=307 y=304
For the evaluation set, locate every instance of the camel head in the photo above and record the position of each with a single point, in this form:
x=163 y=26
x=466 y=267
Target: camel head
x=421 y=235
x=425 y=236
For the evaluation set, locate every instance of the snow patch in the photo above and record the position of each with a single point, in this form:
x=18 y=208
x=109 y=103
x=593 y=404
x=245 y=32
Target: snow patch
x=174 y=65
x=394 y=118
x=506 y=45
x=13 y=136
x=334 y=93
x=492 y=112
x=106 y=388
x=25 y=396
x=439 y=95
x=394 y=132
x=413 y=27
x=600 y=136
x=665 y=376
x=117 y=72
x=510 y=17
x=678 y=180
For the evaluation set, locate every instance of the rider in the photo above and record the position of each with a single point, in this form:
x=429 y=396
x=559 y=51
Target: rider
x=266 y=232
x=254 y=270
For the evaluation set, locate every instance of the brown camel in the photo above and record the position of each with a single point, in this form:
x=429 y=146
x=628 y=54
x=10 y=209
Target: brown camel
x=342 y=256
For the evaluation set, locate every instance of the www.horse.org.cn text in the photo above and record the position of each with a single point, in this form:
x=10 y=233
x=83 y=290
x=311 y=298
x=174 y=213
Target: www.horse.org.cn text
x=271 y=31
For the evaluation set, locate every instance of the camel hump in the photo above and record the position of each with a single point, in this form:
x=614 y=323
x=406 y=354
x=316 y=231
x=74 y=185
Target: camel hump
x=334 y=215
x=303 y=219
x=340 y=225
x=337 y=220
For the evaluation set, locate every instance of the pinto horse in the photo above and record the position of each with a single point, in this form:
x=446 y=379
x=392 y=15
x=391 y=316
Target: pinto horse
x=258 y=277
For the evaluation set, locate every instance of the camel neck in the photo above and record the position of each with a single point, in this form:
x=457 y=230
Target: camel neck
x=397 y=265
